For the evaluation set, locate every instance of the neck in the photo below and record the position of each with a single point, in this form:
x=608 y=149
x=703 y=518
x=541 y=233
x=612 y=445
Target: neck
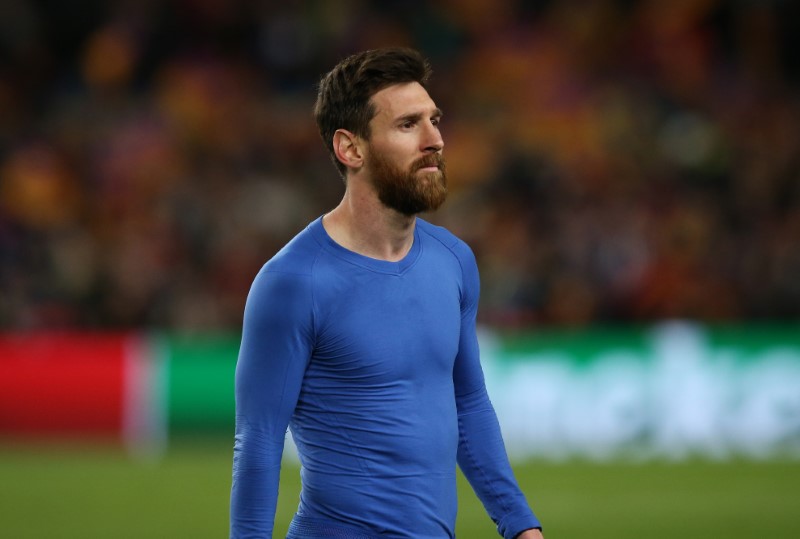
x=362 y=224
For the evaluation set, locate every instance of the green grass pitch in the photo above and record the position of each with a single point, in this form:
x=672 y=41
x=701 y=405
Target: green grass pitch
x=100 y=493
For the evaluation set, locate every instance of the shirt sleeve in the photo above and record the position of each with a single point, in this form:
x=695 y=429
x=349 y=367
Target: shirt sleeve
x=481 y=452
x=275 y=350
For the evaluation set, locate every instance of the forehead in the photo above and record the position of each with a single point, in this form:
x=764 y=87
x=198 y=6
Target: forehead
x=401 y=100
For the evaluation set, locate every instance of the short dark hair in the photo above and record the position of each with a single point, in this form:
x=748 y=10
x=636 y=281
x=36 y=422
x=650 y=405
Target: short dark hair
x=344 y=94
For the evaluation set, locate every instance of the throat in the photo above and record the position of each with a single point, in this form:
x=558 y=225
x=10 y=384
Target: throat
x=382 y=239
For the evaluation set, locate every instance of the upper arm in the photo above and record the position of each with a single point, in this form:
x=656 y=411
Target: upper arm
x=277 y=340
x=467 y=372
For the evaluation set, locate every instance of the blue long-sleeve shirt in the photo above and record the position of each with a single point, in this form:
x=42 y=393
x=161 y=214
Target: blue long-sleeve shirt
x=374 y=365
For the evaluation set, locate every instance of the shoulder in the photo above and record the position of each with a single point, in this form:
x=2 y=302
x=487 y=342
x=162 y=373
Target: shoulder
x=282 y=293
x=289 y=273
x=296 y=257
x=453 y=246
x=458 y=247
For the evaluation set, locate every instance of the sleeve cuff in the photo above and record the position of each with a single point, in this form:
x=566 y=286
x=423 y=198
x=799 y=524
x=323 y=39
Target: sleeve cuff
x=515 y=523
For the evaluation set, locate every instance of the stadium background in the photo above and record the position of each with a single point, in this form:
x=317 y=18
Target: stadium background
x=628 y=174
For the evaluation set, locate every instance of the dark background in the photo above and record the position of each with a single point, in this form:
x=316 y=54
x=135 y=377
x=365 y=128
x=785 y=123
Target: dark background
x=610 y=161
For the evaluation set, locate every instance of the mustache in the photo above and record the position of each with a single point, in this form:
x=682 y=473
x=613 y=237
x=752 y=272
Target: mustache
x=432 y=160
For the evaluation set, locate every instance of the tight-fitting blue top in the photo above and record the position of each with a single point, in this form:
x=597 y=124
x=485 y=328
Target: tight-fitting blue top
x=374 y=366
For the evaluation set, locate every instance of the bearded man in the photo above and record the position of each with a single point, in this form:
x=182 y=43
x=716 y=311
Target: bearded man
x=359 y=336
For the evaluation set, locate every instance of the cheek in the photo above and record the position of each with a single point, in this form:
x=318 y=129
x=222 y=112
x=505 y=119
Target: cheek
x=399 y=145
x=398 y=149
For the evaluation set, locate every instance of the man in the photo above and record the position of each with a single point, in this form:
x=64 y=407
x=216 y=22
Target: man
x=359 y=335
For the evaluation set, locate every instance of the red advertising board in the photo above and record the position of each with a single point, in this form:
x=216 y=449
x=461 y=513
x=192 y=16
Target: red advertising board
x=62 y=384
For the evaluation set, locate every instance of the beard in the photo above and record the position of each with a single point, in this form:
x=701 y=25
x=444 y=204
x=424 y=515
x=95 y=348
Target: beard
x=408 y=191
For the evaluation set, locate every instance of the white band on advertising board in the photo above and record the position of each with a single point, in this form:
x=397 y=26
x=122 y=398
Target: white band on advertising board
x=675 y=393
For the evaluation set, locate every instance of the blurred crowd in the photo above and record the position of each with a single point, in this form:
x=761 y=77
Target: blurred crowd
x=609 y=161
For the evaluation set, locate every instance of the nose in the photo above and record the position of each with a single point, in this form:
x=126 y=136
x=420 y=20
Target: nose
x=432 y=141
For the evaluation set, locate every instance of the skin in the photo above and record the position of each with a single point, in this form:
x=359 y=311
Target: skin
x=405 y=128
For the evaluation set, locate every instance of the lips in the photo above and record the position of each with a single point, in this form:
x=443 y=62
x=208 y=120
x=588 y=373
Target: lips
x=431 y=161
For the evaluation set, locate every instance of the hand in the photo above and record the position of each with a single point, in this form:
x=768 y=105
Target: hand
x=530 y=534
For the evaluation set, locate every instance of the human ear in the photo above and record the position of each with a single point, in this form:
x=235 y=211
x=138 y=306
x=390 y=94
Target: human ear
x=347 y=149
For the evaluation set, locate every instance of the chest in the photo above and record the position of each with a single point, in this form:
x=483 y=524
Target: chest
x=386 y=328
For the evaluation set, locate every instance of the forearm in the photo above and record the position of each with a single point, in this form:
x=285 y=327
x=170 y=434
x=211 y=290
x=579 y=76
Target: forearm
x=482 y=457
x=254 y=491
